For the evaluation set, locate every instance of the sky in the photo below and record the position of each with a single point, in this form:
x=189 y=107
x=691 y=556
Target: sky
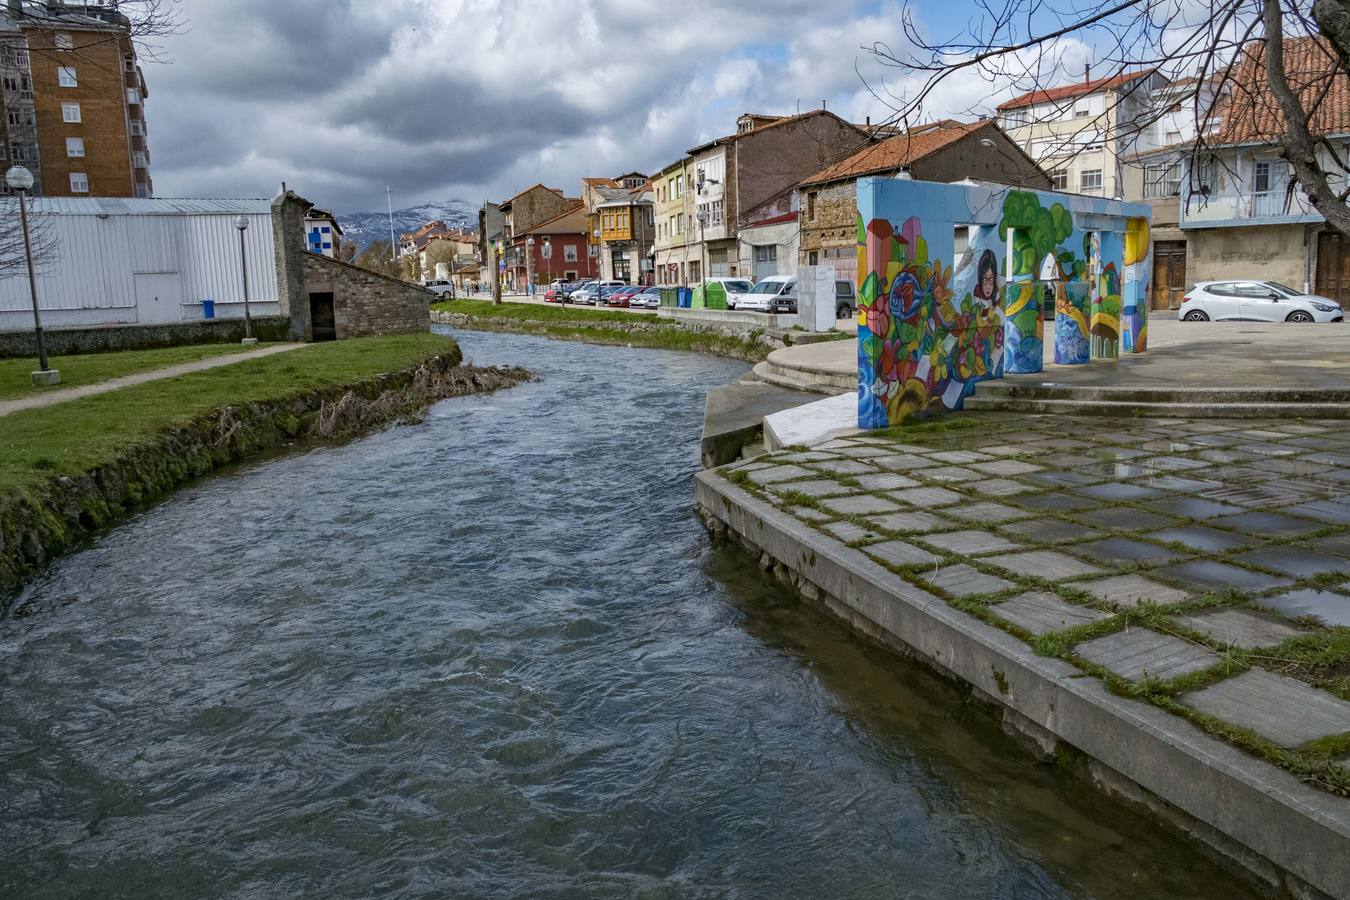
x=476 y=99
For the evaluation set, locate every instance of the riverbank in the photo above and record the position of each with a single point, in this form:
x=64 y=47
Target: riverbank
x=1135 y=598
x=608 y=327
x=71 y=469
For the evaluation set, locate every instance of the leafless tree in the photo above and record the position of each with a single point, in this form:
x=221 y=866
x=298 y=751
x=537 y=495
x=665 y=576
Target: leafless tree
x=1226 y=58
x=42 y=236
x=376 y=258
x=347 y=250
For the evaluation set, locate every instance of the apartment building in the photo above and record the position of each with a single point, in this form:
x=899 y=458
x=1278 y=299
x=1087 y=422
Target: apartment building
x=622 y=225
x=1079 y=133
x=73 y=98
x=672 y=208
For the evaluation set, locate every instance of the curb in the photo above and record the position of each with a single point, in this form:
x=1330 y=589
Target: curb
x=1289 y=835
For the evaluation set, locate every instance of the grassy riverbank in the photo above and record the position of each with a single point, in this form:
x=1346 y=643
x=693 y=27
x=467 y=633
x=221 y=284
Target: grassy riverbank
x=71 y=468
x=92 y=368
x=604 y=326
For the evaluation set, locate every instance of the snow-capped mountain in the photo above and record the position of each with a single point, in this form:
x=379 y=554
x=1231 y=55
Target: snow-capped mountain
x=365 y=228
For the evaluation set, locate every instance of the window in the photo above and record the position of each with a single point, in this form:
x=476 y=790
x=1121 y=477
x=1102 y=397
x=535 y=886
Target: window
x=19 y=118
x=64 y=41
x=1059 y=179
x=66 y=77
x=74 y=147
x=679 y=185
x=1081 y=113
x=133 y=96
x=1264 y=177
x=136 y=128
x=767 y=254
x=811 y=206
x=79 y=183
x=70 y=112
x=130 y=62
x=570 y=253
x=1090 y=180
x=1162 y=181
x=140 y=161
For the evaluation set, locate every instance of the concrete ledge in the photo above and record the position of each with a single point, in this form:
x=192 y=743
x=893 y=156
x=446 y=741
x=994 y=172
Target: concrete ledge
x=733 y=416
x=812 y=423
x=1289 y=835
x=729 y=317
x=1190 y=410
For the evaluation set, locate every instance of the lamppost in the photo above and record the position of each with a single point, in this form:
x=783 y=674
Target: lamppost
x=241 y=222
x=21 y=181
x=529 y=265
x=703 y=254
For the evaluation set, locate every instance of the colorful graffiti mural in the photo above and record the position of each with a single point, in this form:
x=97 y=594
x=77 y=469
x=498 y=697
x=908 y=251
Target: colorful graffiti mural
x=1138 y=271
x=927 y=335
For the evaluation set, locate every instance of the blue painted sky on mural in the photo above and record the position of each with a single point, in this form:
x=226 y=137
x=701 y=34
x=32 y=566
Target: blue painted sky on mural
x=462 y=99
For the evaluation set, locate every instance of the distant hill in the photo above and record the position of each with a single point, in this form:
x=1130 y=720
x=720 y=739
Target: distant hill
x=365 y=228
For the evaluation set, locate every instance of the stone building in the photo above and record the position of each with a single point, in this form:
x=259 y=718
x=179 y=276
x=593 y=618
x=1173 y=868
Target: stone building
x=73 y=97
x=943 y=151
x=331 y=300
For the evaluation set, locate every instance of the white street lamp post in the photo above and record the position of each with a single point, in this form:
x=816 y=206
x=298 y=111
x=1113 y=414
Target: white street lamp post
x=703 y=254
x=529 y=265
x=241 y=223
x=21 y=180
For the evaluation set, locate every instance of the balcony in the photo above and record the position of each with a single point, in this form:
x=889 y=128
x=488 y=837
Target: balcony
x=1233 y=210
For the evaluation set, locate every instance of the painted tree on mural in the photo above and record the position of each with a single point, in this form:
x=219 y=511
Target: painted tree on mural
x=1282 y=63
x=1037 y=231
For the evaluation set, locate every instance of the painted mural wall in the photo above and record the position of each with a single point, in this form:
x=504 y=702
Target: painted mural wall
x=928 y=333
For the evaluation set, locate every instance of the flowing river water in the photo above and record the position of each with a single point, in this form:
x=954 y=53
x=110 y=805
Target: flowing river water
x=494 y=654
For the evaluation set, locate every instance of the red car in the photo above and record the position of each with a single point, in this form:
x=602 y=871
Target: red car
x=623 y=295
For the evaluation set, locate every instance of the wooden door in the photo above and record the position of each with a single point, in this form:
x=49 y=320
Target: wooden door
x=1333 y=267
x=1169 y=274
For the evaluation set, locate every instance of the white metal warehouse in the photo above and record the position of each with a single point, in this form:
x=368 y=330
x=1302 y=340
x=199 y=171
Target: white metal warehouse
x=128 y=261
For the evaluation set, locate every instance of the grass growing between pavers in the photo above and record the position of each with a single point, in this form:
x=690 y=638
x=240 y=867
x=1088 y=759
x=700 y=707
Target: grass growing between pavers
x=75 y=437
x=92 y=368
x=1319 y=657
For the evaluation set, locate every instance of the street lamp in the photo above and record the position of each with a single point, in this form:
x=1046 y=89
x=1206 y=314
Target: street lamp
x=241 y=222
x=703 y=254
x=21 y=181
x=529 y=265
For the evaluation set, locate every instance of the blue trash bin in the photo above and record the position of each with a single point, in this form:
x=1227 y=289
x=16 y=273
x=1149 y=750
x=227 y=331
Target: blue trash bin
x=686 y=297
x=208 y=309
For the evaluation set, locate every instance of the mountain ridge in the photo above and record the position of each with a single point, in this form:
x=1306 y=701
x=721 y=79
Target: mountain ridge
x=365 y=228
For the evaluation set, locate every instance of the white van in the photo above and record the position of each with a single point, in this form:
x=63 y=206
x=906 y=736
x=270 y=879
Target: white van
x=764 y=296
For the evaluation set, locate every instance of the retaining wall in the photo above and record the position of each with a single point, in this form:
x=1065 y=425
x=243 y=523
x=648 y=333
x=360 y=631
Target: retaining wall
x=110 y=338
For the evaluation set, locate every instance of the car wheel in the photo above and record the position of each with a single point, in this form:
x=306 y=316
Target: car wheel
x=1196 y=315
x=1299 y=315
x=844 y=311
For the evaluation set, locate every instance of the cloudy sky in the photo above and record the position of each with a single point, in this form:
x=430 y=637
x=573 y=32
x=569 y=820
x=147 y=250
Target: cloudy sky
x=466 y=99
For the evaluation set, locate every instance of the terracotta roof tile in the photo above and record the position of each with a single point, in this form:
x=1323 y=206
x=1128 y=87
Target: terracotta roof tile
x=1069 y=91
x=1250 y=113
x=896 y=152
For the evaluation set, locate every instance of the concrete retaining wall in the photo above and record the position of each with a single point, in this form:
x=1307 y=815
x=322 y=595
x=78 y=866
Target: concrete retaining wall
x=1254 y=815
x=68 y=341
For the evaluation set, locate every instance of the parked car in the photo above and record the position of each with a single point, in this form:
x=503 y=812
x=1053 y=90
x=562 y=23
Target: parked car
x=1255 y=301
x=764 y=297
x=735 y=288
x=845 y=300
x=574 y=295
x=649 y=298
x=443 y=289
x=624 y=296
x=558 y=290
x=597 y=292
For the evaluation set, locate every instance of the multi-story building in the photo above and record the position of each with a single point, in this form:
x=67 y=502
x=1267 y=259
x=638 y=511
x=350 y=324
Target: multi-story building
x=941 y=151
x=1079 y=133
x=672 y=211
x=622 y=226
x=560 y=248
x=73 y=97
x=743 y=179
x=323 y=234
x=521 y=213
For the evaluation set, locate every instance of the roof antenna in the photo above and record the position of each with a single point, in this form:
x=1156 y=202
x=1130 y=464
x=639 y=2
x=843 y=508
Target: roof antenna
x=1087 y=72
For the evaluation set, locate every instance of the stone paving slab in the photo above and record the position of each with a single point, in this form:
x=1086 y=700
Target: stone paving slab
x=1208 y=575
x=903 y=463
x=911 y=521
x=886 y=481
x=898 y=553
x=987 y=512
x=1267 y=523
x=1125 y=519
x=777 y=474
x=1047 y=564
x=1330 y=607
x=1195 y=507
x=849 y=532
x=860 y=504
x=844 y=467
x=1050 y=531
x=1116 y=490
x=1239 y=627
x=999 y=487
x=814 y=488
x=1295 y=562
x=1202 y=539
x=1137 y=653
x=927 y=496
x=972 y=543
x=1283 y=710
x=1131 y=590
x=1117 y=550
x=1051 y=501
x=1328 y=511
x=952 y=474
x=1040 y=612
x=1006 y=467
x=966 y=581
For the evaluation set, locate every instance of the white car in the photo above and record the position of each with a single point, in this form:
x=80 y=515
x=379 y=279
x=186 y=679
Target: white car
x=735 y=288
x=648 y=299
x=442 y=289
x=764 y=296
x=1255 y=301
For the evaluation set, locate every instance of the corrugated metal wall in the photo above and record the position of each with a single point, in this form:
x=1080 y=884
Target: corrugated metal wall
x=98 y=257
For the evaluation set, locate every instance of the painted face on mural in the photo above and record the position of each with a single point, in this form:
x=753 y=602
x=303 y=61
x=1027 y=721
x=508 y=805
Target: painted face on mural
x=986 y=287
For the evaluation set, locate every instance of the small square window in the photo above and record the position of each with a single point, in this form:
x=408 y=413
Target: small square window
x=64 y=41
x=70 y=112
x=74 y=146
x=135 y=127
x=66 y=76
x=133 y=96
x=79 y=183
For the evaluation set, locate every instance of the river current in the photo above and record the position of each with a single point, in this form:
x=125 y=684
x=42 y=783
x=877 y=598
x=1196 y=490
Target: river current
x=494 y=654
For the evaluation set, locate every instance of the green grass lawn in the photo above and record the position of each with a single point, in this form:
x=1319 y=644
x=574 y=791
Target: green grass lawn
x=533 y=312
x=73 y=437
x=91 y=368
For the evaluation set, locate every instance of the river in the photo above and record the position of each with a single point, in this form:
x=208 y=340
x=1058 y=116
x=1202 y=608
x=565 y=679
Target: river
x=494 y=654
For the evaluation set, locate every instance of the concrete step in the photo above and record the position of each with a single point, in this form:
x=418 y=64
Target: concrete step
x=1194 y=410
x=1027 y=390
x=790 y=379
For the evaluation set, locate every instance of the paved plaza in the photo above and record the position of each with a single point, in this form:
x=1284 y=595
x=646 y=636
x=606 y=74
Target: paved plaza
x=1200 y=565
